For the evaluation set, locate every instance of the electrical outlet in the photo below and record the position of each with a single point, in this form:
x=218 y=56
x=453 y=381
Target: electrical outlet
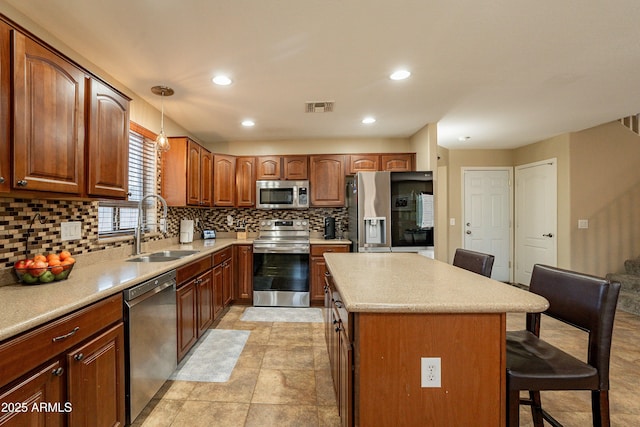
x=70 y=230
x=431 y=375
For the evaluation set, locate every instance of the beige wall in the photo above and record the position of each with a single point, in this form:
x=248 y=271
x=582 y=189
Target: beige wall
x=316 y=146
x=605 y=190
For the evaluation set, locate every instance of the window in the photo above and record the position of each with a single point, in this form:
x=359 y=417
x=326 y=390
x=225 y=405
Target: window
x=121 y=217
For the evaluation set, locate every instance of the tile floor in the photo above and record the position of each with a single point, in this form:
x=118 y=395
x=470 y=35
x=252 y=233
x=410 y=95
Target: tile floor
x=282 y=378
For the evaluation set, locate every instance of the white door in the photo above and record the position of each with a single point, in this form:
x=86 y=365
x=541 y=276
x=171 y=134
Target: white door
x=487 y=217
x=536 y=217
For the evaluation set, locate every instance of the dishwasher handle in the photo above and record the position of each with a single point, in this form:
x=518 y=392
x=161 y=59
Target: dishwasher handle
x=161 y=287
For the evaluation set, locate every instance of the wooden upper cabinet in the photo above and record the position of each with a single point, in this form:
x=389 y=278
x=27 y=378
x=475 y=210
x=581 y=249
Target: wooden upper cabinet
x=193 y=173
x=327 y=180
x=206 y=173
x=392 y=162
x=5 y=106
x=245 y=181
x=295 y=167
x=49 y=105
x=363 y=163
x=108 y=145
x=282 y=167
x=224 y=180
x=402 y=162
x=269 y=167
x=186 y=173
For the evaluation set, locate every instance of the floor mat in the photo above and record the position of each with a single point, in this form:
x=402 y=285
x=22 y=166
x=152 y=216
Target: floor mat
x=213 y=358
x=282 y=314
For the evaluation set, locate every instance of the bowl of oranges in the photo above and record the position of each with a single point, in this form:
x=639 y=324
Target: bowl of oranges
x=41 y=268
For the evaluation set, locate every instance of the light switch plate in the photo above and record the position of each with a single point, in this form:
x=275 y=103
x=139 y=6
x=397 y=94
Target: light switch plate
x=70 y=230
x=583 y=223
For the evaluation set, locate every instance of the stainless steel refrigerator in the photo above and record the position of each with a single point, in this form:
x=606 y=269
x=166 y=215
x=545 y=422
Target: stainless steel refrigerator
x=390 y=211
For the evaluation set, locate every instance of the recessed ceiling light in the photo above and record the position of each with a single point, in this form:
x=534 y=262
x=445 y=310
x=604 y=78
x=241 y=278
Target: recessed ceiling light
x=248 y=123
x=368 y=120
x=222 y=80
x=400 y=75
x=464 y=138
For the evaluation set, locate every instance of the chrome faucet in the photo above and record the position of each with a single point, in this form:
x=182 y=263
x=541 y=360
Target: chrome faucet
x=137 y=235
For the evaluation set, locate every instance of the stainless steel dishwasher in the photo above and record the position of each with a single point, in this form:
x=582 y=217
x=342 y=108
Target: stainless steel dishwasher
x=151 y=339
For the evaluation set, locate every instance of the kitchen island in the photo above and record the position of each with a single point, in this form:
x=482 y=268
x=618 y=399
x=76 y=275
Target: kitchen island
x=385 y=313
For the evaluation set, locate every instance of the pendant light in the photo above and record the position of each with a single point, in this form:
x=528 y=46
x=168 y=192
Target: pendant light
x=162 y=142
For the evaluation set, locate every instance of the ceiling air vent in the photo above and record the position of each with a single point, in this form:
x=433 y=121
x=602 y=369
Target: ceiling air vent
x=319 y=107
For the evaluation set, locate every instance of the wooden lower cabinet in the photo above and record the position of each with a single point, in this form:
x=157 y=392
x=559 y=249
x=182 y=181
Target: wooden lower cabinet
x=98 y=366
x=44 y=386
x=243 y=277
x=68 y=372
x=187 y=318
x=218 y=290
x=204 y=298
x=318 y=270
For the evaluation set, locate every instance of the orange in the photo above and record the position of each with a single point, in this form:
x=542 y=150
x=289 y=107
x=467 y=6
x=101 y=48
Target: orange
x=40 y=257
x=64 y=255
x=66 y=264
x=52 y=257
x=57 y=269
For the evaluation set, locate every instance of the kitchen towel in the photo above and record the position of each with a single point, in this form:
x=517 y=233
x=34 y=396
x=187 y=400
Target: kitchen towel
x=424 y=217
x=213 y=358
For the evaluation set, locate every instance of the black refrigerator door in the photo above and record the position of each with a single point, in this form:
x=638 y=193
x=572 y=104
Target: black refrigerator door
x=412 y=215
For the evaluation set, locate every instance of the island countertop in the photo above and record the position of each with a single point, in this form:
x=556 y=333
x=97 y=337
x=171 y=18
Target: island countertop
x=411 y=283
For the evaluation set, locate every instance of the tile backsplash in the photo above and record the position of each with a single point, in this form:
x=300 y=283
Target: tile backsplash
x=17 y=214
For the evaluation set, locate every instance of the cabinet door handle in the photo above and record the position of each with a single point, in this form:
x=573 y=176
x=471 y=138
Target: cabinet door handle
x=58 y=372
x=79 y=357
x=62 y=337
x=547 y=235
x=22 y=183
x=1 y=179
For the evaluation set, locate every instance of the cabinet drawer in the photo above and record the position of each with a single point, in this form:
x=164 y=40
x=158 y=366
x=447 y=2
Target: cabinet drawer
x=192 y=269
x=318 y=250
x=222 y=255
x=23 y=353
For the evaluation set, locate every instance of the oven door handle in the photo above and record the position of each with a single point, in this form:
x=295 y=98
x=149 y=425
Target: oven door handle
x=280 y=250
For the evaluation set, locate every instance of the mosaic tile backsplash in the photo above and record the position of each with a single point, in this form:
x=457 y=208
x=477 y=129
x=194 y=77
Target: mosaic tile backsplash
x=17 y=214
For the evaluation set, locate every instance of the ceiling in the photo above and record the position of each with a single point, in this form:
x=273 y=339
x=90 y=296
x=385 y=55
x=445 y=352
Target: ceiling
x=503 y=72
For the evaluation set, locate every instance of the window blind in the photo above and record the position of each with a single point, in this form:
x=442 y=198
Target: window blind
x=121 y=217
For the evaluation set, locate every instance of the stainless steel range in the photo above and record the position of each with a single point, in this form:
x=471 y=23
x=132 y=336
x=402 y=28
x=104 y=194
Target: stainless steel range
x=281 y=263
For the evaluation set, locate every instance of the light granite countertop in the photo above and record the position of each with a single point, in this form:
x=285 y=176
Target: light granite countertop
x=25 y=307
x=411 y=283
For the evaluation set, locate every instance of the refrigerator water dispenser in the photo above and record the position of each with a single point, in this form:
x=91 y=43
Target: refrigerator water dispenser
x=375 y=230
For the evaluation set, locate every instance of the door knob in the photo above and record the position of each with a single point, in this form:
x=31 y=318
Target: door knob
x=468 y=231
x=468 y=224
x=547 y=235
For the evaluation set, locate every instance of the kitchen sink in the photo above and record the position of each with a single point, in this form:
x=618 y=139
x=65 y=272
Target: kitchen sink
x=162 y=256
x=176 y=254
x=151 y=258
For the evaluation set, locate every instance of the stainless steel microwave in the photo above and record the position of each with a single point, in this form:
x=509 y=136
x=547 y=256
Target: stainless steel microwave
x=282 y=194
